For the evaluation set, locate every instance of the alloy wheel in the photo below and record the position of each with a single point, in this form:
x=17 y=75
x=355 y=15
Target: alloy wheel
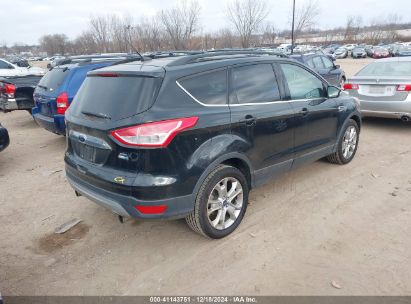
x=225 y=203
x=349 y=143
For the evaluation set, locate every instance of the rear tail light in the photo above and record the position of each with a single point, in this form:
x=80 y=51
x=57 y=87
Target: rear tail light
x=404 y=88
x=159 y=209
x=8 y=89
x=62 y=103
x=350 y=86
x=154 y=134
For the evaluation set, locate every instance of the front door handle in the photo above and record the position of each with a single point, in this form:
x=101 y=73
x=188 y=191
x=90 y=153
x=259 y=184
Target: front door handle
x=304 y=112
x=250 y=121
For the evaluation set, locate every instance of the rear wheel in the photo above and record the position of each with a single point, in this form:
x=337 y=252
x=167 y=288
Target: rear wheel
x=221 y=203
x=347 y=144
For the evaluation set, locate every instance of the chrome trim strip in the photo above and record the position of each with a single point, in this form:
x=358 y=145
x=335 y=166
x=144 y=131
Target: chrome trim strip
x=243 y=104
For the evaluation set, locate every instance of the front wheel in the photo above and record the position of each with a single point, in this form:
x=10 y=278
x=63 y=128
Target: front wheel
x=221 y=203
x=347 y=144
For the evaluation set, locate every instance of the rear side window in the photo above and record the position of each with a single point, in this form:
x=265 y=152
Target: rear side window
x=255 y=84
x=301 y=83
x=209 y=88
x=3 y=65
x=115 y=98
x=53 y=79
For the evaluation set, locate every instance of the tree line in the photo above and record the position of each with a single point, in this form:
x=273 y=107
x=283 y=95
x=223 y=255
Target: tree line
x=180 y=28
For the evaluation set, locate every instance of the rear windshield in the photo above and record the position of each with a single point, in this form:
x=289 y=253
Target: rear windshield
x=399 y=68
x=115 y=98
x=53 y=79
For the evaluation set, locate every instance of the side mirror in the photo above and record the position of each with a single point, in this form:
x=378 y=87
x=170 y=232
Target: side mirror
x=333 y=92
x=337 y=66
x=10 y=67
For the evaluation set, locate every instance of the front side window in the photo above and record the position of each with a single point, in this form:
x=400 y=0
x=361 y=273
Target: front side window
x=209 y=88
x=301 y=83
x=255 y=84
x=318 y=63
x=327 y=63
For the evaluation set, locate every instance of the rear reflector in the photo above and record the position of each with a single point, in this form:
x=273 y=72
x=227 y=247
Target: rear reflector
x=404 y=88
x=62 y=103
x=154 y=134
x=160 y=209
x=350 y=86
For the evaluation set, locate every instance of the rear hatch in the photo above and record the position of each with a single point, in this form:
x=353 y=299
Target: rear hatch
x=48 y=89
x=108 y=100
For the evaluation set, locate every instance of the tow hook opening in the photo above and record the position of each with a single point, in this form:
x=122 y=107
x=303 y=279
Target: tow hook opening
x=121 y=219
x=77 y=194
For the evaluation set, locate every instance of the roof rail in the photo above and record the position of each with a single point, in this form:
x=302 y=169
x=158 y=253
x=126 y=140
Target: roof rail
x=208 y=56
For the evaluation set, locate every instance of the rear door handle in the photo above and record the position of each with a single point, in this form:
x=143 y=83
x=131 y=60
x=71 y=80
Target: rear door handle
x=250 y=120
x=304 y=112
x=342 y=108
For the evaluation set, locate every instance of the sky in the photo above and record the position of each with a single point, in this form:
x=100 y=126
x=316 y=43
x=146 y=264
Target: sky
x=25 y=21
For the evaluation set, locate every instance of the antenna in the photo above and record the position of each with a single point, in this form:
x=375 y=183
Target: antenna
x=128 y=28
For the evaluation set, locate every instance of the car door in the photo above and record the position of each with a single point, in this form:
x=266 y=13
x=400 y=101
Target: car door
x=261 y=116
x=316 y=115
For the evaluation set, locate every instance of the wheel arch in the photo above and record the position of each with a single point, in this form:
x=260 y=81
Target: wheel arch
x=235 y=159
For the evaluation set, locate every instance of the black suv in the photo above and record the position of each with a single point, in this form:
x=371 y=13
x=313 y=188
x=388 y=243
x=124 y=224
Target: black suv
x=188 y=137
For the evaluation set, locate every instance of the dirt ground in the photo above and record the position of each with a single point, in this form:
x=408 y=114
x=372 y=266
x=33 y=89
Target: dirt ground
x=318 y=224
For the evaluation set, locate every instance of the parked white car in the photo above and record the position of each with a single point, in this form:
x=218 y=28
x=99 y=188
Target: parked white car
x=8 y=69
x=350 y=47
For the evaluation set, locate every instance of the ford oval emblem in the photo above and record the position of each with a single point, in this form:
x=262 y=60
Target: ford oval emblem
x=82 y=138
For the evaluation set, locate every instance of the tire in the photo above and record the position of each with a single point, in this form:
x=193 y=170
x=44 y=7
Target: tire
x=201 y=219
x=340 y=157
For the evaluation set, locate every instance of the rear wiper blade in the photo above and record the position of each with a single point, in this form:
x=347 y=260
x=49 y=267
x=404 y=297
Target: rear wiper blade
x=99 y=115
x=42 y=86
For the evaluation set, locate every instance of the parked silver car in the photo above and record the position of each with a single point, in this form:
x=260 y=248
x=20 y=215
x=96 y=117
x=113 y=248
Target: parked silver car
x=383 y=88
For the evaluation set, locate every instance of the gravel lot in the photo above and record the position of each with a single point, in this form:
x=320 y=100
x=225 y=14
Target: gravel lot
x=318 y=224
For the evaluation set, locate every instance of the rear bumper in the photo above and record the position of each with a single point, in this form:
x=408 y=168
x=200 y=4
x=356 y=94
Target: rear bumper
x=124 y=205
x=389 y=109
x=7 y=105
x=53 y=124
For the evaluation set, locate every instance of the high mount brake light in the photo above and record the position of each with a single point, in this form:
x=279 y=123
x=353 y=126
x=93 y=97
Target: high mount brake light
x=62 y=103
x=107 y=74
x=154 y=134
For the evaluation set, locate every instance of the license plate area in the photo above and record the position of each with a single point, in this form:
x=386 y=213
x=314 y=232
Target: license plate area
x=378 y=90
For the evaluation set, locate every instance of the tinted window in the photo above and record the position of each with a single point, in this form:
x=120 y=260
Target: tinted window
x=255 y=83
x=301 y=83
x=396 y=68
x=327 y=63
x=310 y=63
x=210 y=88
x=53 y=79
x=318 y=63
x=3 y=65
x=115 y=97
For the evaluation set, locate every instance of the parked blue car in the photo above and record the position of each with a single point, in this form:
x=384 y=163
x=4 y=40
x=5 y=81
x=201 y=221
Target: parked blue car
x=56 y=90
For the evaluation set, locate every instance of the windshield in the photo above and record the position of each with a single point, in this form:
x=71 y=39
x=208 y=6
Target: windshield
x=115 y=98
x=398 y=68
